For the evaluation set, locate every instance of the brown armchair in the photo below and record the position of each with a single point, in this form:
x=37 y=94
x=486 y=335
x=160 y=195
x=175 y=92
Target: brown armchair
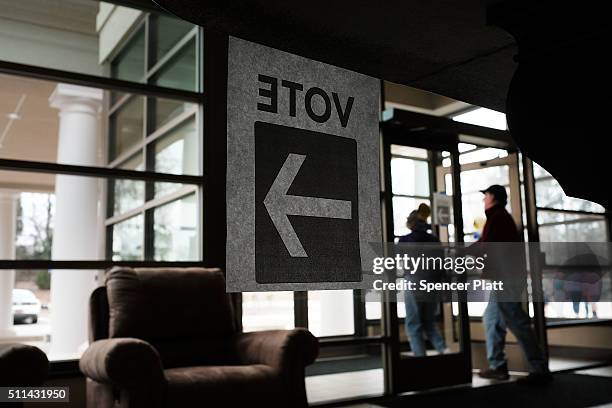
x=22 y=366
x=167 y=338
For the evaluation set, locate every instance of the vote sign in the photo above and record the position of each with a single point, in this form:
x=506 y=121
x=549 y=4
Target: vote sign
x=302 y=172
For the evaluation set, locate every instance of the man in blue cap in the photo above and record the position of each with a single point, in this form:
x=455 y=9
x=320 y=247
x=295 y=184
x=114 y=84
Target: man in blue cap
x=502 y=315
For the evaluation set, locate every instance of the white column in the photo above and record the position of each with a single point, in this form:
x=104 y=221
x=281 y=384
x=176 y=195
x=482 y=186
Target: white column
x=75 y=234
x=8 y=229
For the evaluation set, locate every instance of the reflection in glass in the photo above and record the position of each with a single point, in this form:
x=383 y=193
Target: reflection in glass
x=175 y=230
x=550 y=194
x=164 y=110
x=176 y=153
x=165 y=33
x=567 y=227
x=126 y=127
x=128 y=194
x=128 y=238
x=129 y=64
x=180 y=71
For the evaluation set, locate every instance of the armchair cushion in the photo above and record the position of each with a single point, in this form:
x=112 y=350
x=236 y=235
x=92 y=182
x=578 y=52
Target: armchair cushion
x=183 y=312
x=217 y=386
x=280 y=349
x=168 y=303
x=126 y=363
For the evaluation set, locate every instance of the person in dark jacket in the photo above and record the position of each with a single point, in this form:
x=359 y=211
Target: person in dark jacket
x=502 y=315
x=421 y=314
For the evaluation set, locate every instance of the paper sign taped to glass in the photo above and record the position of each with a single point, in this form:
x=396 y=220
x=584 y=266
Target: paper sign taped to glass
x=302 y=172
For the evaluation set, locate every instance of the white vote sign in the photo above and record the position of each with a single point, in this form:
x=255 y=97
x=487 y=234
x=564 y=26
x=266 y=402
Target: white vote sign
x=302 y=197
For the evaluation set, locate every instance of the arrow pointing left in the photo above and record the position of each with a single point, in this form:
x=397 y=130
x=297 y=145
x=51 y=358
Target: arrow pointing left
x=280 y=205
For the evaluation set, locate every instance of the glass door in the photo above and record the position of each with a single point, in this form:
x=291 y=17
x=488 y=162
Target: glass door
x=428 y=348
x=480 y=168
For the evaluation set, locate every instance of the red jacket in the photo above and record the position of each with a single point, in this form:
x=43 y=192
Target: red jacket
x=504 y=261
x=500 y=226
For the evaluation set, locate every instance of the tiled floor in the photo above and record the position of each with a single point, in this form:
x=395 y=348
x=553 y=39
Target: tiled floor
x=601 y=371
x=354 y=384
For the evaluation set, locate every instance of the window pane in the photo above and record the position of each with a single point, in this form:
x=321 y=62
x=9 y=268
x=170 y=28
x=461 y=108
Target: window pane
x=126 y=127
x=472 y=181
x=128 y=238
x=176 y=235
x=402 y=207
x=180 y=71
x=34 y=229
x=480 y=155
x=564 y=227
x=128 y=194
x=164 y=110
x=550 y=194
x=410 y=177
x=408 y=151
x=330 y=312
x=129 y=64
x=483 y=117
x=165 y=33
x=176 y=153
x=267 y=311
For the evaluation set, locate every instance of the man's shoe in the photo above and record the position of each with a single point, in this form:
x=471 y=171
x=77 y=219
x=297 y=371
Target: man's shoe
x=536 y=379
x=499 y=373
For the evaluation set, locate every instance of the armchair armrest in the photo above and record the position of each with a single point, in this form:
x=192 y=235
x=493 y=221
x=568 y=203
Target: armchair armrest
x=22 y=365
x=123 y=362
x=280 y=349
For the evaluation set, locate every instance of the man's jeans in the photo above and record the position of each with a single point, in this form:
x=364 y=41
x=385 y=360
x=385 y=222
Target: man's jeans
x=500 y=316
x=421 y=320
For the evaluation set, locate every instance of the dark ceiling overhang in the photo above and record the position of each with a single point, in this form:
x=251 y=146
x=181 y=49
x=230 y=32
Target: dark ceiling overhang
x=442 y=46
x=555 y=97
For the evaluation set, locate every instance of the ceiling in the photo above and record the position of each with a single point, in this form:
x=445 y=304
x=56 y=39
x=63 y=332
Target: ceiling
x=67 y=15
x=33 y=136
x=441 y=46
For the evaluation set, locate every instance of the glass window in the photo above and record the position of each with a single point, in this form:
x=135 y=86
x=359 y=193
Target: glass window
x=472 y=181
x=163 y=111
x=165 y=33
x=483 y=117
x=480 y=155
x=180 y=71
x=34 y=230
x=408 y=151
x=410 y=177
x=550 y=194
x=128 y=239
x=402 y=207
x=128 y=194
x=567 y=227
x=330 y=312
x=126 y=127
x=129 y=64
x=267 y=311
x=176 y=153
x=175 y=230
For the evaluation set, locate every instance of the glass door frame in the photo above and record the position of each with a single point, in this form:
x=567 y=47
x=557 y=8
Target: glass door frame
x=418 y=373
